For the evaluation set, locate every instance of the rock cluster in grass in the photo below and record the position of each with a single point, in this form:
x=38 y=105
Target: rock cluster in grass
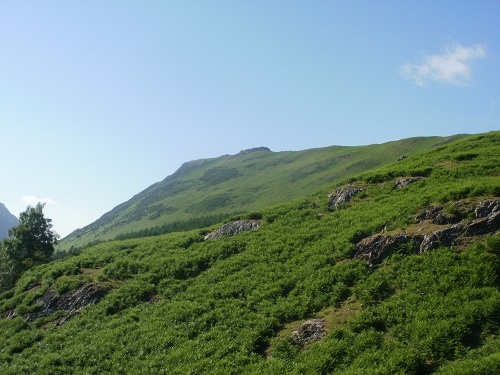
x=435 y=215
x=71 y=302
x=375 y=249
x=232 y=228
x=342 y=195
x=405 y=181
x=310 y=331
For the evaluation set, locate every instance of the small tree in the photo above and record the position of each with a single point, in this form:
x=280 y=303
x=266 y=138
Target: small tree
x=30 y=243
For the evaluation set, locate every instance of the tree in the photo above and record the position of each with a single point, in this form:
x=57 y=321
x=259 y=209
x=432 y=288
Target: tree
x=29 y=244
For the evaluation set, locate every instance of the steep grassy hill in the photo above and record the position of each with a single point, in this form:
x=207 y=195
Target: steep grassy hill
x=299 y=295
x=204 y=192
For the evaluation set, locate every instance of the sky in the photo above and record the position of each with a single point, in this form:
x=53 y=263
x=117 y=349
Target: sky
x=101 y=99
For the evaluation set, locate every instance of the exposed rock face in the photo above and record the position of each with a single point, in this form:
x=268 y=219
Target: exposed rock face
x=342 y=195
x=310 y=331
x=441 y=237
x=485 y=208
x=436 y=216
x=72 y=302
x=485 y=225
x=405 y=181
x=232 y=228
x=376 y=248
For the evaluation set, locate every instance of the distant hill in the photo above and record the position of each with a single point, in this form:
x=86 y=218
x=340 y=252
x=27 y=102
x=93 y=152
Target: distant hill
x=7 y=221
x=204 y=192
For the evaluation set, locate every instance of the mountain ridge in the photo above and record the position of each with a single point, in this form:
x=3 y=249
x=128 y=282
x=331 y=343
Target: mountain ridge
x=219 y=187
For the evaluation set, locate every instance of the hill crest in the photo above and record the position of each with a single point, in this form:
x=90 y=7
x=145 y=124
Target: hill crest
x=205 y=191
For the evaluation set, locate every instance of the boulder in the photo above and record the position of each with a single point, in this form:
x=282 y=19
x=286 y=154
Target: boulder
x=484 y=225
x=428 y=214
x=441 y=237
x=342 y=195
x=485 y=208
x=376 y=248
x=405 y=181
x=310 y=331
x=436 y=216
x=232 y=228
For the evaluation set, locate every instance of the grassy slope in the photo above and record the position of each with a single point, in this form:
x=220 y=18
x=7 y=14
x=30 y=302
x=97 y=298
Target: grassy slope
x=223 y=306
x=219 y=187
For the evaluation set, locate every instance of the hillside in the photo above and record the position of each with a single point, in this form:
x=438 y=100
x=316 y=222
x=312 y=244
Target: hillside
x=7 y=221
x=204 y=192
x=393 y=271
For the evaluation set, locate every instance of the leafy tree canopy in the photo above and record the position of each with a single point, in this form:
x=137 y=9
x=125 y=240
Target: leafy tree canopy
x=30 y=243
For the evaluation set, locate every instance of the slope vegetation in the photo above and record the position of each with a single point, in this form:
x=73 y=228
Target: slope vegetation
x=293 y=296
x=204 y=192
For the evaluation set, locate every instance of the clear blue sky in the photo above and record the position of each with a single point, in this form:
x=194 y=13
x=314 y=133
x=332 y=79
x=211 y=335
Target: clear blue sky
x=100 y=99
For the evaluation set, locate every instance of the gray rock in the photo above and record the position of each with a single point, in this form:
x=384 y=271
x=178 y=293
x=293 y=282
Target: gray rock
x=428 y=214
x=442 y=237
x=484 y=225
x=310 y=331
x=232 y=228
x=484 y=208
x=405 y=181
x=72 y=302
x=436 y=216
x=375 y=249
x=342 y=195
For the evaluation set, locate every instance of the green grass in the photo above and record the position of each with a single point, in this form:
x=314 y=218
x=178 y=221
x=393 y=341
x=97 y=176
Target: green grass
x=181 y=305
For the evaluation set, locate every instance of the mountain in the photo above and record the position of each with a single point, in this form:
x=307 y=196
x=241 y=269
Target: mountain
x=203 y=192
x=391 y=271
x=7 y=221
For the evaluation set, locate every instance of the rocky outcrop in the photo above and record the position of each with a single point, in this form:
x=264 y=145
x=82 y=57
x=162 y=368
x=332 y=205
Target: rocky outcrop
x=254 y=149
x=342 y=195
x=232 y=228
x=485 y=208
x=71 y=302
x=436 y=215
x=405 y=181
x=308 y=332
x=376 y=248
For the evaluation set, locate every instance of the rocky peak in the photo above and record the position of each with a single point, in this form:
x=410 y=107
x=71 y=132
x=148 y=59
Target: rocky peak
x=254 y=149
